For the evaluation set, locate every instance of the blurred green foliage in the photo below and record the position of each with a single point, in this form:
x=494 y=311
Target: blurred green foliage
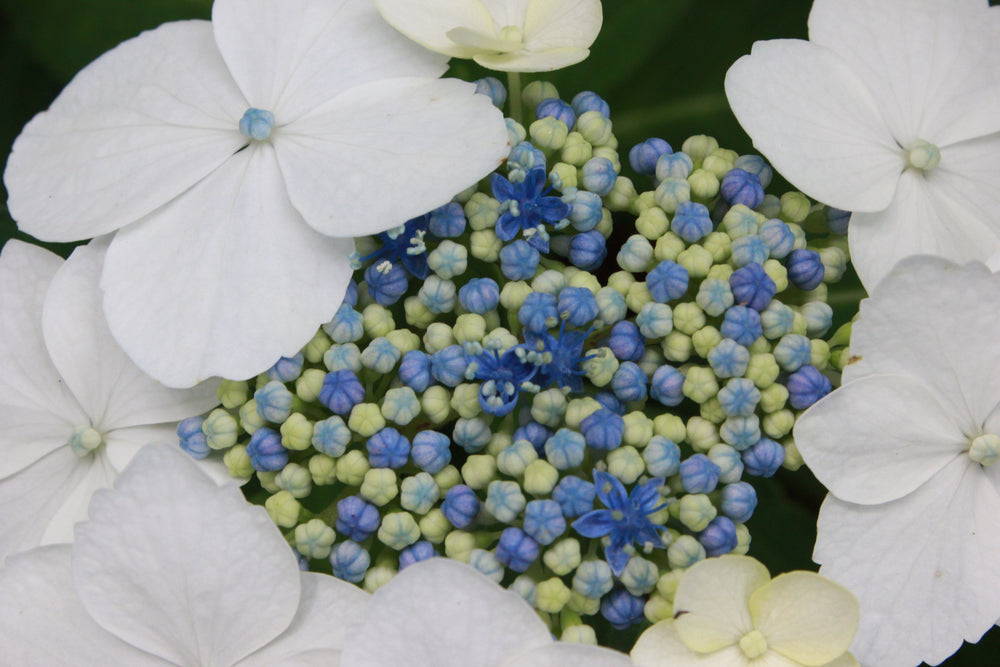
x=660 y=64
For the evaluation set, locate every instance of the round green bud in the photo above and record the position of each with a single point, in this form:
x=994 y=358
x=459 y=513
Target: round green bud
x=622 y=195
x=436 y=404
x=377 y=320
x=437 y=337
x=514 y=460
x=220 y=429
x=250 y=421
x=611 y=155
x=658 y=608
x=434 y=526
x=670 y=427
x=400 y=405
x=403 y=340
x=638 y=429
x=283 y=509
x=465 y=400
x=233 y=393
x=548 y=134
x=800 y=236
x=417 y=314
x=638 y=296
x=479 y=470
x=295 y=479
x=540 y=478
x=309 y=384
x=666 y=585
x=482 y=211
x=740 y=221
x=500 y=339
x=378 y=576
x=584 y=279
x=820 y=353
x=718 y=245
x=552 y=594
x=712 y=411
x=601 y=366
x=322 y=469
x=447 y=477
x=237 y=462
x=795 y=207
x=676 y=346
x=499 y=441
x=640 y=576
x=834 y=263
x=688 y=317
x=685 y=552
x=718 y=165
x=314 y=538
x=620 y=281
x=778 y=424
x=379 y=486
x=793 y=458
x=742 y=540
x=548 y=407
x=418 y=493
x=536 y=91
x=576 y=152
x=696 y=511
x=316 y=347
x=352 y=468
x=644 y=202
x=760 y=346
x=563 y=176
x=799 y=325
x=398 y=530
x=668 y=247
x=594 y=127
x=458 y=545
x=366 y=419
x=636 y=255
x=699 y=146
x=579 y=409
x=296 y=432
x=700 y=384
x=704 y=185
x=513 y=294
x=485 y=245
x=652 y=223
x=671 y=193
x=549 y=282
x=582 y=605
x=773 y=398
x=763 y=370
x=626 y=464
x=580 y=634
x=469 y=328
x=696 y=260
x=777 y=272
x=701 y=434
x=563 y=557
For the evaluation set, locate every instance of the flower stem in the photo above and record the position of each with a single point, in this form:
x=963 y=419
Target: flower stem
x=514 y=93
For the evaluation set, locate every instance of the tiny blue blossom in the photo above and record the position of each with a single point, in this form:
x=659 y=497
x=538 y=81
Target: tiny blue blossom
x=492 y=88
x=714 y=296
x=404 y=246
x=340 y=357
x=472 y=435
x=503 y=376
x=622 y=609
x=629 y=382
x=752 y=287
x=479 y=295
x=519 y=260
x=674 y=165
x=739 y=397
x=764 y=458
x=588 y=250
x=667 y=385
x=437 y=295
x=565 y=449
x=593 y=579
x=556 y=108
x=729 y=359
x=590 y=101
x=719 y=537
x=349 y=561
x=699 y=474
x=818 y=316
x=526 y=206
x=447 y=222
x=792 y=352
x=611 y=305
x=504 y=500
x=577 y=306
x=331 y=436
x=805 y=269
x=274 y=401
x=286 y=369
x=667 y=281
x=380 y=355
x=415 y=553
x=598 y=175
x=522 y=160
x=346 y=326
x=777 y=320
x=626 y=341
x=544 y=521
x=741 y=324
x=388 y=449
x=644 y=156
x=460 y=506
x=266 y=451
x=742 y=187
x=603 y=429
x=586 y=209
x=560 y=358
x=415 y=370
x=749 y=249
x=516 y=549
x=341 y=391
x=739 y=500
x=806 y=386
x=778 y=238
x=357 y=519
x=540 y=311
x=691 y=222
x=487 y=564
x=448 y=366
x=431 y=451
x=655 y=320
x=662 y=457
x=625 y=520
x=387 y=282
x=729 y=462
x=740 y=432
x=192 y=439
x=574 y=495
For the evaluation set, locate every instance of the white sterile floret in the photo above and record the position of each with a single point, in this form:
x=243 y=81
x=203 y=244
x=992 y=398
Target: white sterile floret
x=912 y=522
x=891 y=110
x=75 y=408
x=506 y=35
x=211 y=147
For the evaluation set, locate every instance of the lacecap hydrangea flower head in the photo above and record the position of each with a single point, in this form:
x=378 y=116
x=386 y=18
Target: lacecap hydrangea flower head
x=561 y=381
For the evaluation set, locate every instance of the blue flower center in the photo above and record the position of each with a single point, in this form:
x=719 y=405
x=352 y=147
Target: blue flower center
x=257 y=124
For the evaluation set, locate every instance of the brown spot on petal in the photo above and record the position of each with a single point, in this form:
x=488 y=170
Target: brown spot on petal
x=853 y=359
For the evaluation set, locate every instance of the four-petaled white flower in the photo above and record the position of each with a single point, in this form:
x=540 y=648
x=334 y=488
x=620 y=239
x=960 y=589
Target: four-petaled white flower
x=444 y=613
x=506 y=35
x=227 y=154
x=171 y=569
x=907 y=447
x=73 y=408
x=891 y=110
x=729 y=612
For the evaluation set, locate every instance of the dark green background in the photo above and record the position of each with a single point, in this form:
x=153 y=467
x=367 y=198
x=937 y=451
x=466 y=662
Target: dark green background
x=660 y=63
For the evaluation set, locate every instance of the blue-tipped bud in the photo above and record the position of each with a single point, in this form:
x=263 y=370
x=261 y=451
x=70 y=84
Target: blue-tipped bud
x=739 y=500
x=622 y=609
x=750 y=249
x=837 y=220
x=331 y=436
x=667 y=281
x=431 y=451
x=346 y=326
x=742 y=187
x=741 y=324
x=265 y=450
x=599 y=175
x=629 y=382
x=674 y=165
x=388 y=449
x=341 y=392
x=350 y=561
x=644 y=156
x=577 y=306
x=757 y=166
x=274 y=401
x=667 y=385
x=586 y=209
x=739 y=397
x=574 y=495
x=691 y=222
x=588 y=250
x=544 y=521
x=764 y=458
x=415 y=370
x=257 y=124
x=519 y=260
x=516 y=549
x=729 y=359
x=719 y=537
x=590 y=101
x=603 y=429
x=460 y=506
x=192 y=439
x=357 y=518
x=286 y=369
x=415 y=553
x=448 y=366
x=479 y=295
x=752 y=287
x=565 y=449
x=662 y=457
x=699 y=474
x=806 y=386
x=492 y=88
x=626 y=341
x=448 y=221
x=805 y=269
x=778 y=237
x=556 y=108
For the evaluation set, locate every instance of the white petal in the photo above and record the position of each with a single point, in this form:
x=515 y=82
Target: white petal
x=290 y=57
x=43 y=623
x=710 y=606
x=935 y=321
x=816 y=122
x=201 y=577
x=562 y=24
x=27 y=435
x=532 y=61
x=30 y=498
x=805 y=617
x=319 y=629
x=660 y=646
x=112 y=389
x=29 y=379
x=923 y=567
x=427 y=22
x=922 y=219
x=134 y=129
x=92 y=474
x=965 y=187
x=560 y=654
x=224 y=280
x=933 y=65
x=441 y=612
x=510 y=12
x=396 y=149
x=896 y=437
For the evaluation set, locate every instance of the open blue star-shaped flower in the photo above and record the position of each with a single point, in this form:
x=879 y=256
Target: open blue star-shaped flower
x=626 y=519
x=404 y=246
x=503 y=376
x=527 y=208
x=560 y=358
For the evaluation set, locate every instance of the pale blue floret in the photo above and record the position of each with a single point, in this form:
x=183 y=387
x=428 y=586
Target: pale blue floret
x=629 y=382
x=655 y=320
x=699 y=474
x=331 y=436
x=611 y=305
x=674 y=165
x=714 y=296
x=431 y=451
x=286 y=369
x=691 y=222
x=818 y=316
x=487 y=564
x=349 y=561
x=437 y=295
x=640 y=576
x=346 y=357
x=739 y=501
x=522 y=159
x=792 y=352
x=257 y=124
x=274 y=402
x=346 y=326
x=749 y=249
x=662 y=457
x=729 y=359
x=380 y=355
x=593 y=579
x=544 y=521
x=741 y=432
x=777 y=320
x=586 y=209
x=739 y=222
x=636 y=254
x=756 y=165
x=526 y=587
x=471 y=434
x=418 y=493
x=667 y=385
x=729 y=462
x=739 y=397
x=778 y=237
x=565 y=449
x=448 y=260
x=599 y=176
x=492 y=88
x=504 y=500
